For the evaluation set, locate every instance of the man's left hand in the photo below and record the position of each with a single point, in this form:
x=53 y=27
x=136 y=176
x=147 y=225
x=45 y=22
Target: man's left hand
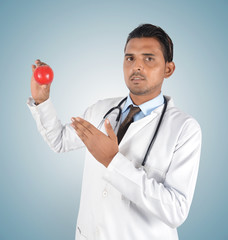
x=102 y=147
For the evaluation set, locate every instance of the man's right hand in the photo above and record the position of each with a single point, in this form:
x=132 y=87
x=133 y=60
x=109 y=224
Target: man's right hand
x=40 y=93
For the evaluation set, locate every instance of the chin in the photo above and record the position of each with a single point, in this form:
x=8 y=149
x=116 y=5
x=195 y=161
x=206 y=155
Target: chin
x=138 y=92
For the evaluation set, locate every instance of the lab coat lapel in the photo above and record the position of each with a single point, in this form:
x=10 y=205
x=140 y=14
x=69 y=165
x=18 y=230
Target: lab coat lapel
x=112 y=119
x=113 y=115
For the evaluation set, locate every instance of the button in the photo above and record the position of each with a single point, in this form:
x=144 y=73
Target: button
x=105 y=193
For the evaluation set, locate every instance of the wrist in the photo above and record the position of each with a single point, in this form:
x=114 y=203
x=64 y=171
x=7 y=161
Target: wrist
x=37 y=102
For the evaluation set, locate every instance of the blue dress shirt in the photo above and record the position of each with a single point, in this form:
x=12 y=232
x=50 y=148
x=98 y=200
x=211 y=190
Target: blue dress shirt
x=146 y=108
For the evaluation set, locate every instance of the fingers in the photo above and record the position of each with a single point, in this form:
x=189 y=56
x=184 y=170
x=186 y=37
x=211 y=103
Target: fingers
x=33 y=68
x=83 y=131
x=39 y=63
x=86 y=124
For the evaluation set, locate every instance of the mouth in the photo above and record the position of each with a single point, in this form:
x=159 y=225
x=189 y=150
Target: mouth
x=137 y=79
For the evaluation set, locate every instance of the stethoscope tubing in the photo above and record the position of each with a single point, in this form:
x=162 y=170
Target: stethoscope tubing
x=116 y=107
x=156 y=132
x=157 y=128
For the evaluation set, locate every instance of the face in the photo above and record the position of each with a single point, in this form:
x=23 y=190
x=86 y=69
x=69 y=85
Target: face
x=145 y=68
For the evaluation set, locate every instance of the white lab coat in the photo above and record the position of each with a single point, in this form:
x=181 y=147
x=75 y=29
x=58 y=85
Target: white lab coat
x=127 y=201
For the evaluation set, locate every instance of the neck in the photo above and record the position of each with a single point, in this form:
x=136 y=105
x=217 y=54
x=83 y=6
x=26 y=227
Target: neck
x=140 y=99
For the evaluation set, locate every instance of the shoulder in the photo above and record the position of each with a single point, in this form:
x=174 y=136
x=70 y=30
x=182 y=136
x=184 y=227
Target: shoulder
x=109 y=101
x=181 y=119
x=106 y=104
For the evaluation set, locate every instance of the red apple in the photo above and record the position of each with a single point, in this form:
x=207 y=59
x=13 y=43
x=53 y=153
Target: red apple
x=43 y=74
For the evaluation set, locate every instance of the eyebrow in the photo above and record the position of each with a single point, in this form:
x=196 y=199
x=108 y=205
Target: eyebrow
x=145 y=54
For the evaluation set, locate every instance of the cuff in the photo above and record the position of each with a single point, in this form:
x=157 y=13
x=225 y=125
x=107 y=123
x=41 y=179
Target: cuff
x=31 y=102
x=44 y=112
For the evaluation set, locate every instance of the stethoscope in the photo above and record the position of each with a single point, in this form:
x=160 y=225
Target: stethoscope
x=118 y=107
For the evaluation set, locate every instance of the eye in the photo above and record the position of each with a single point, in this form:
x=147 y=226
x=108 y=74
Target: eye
x=129 y=59
x=149 y=59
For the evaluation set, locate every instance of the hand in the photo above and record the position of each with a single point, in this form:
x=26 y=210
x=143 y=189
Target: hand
x=40 y=93
x=102 y=147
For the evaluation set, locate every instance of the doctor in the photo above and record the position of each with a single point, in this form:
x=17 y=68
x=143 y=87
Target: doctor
x=130 y=190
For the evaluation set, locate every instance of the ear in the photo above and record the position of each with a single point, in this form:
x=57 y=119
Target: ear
x=169 y=69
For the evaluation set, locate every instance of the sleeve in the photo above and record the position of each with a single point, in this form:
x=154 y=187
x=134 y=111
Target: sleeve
x=169 y=201
x=60 y=138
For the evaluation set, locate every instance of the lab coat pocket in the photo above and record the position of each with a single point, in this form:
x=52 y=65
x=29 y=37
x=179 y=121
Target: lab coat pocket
x=80 y=235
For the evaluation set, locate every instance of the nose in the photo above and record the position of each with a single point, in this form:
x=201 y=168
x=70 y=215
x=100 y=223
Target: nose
x=138 y=65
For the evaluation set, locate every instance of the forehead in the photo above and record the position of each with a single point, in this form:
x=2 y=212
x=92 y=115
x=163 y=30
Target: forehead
x=143 y=45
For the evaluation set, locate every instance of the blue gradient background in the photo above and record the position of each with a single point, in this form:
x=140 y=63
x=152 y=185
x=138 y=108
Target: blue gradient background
x=83 y=41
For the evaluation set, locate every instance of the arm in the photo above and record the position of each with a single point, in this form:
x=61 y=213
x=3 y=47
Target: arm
x=169 y=201
x=60 y=138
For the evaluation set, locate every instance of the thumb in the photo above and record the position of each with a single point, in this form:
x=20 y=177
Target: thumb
x=46 y=86
x=109 y=129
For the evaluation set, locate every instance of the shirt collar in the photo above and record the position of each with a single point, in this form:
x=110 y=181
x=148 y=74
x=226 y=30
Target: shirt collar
x=146 y=107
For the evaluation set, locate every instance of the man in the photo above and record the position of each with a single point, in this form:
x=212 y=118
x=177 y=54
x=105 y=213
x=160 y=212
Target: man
x=126 y=193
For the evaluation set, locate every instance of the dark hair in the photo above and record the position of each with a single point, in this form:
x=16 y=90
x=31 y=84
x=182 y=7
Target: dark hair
x=152 y=31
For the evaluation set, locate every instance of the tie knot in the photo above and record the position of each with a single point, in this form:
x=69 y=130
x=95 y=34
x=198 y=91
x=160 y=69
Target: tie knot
x=133 y=111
